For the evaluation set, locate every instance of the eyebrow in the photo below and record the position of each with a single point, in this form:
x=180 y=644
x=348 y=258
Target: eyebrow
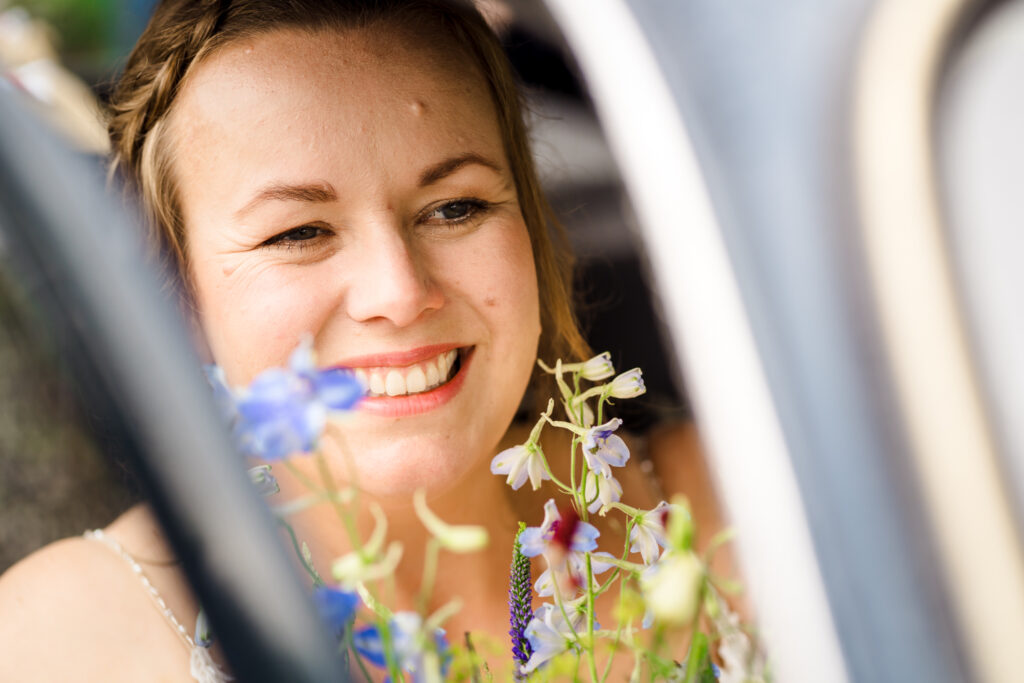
x=445 y=168
x=313 y=192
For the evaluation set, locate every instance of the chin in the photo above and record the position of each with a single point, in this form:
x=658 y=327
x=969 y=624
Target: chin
x=399 y=468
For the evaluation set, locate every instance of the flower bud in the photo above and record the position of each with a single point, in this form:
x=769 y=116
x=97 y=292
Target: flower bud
x=264 y=482
x=679 y=524
x=597 y=368
x=629 y=384
x=458 y=538
x=672 y=587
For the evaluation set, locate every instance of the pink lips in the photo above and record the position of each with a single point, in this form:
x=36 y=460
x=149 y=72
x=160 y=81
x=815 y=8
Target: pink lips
x=415 y=404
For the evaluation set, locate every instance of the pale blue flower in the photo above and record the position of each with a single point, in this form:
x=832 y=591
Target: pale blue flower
x=603 y=449
x=648 y=533
x=601 y=490
x=570 y=534
x=284 y=410
x=550 y=634
x=409 y=647
x=519 y=463
x=336 y=607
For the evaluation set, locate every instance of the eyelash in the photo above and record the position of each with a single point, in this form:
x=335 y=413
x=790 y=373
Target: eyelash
x=287 y=239
x=474 y=207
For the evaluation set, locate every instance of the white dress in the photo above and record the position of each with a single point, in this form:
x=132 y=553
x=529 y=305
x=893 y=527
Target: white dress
x=201 y=664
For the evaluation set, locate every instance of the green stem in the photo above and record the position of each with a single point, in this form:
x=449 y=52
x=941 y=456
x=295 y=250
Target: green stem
x=301 y=476
x=350 y=644
x=591 y=659
x=332 y=493
x=317 y=581
x=429 y=574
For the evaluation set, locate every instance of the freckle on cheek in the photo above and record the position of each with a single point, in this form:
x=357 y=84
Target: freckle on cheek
x=491 y=301
x=228 y=270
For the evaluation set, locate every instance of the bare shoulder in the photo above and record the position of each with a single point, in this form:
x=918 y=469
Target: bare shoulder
x=74 y=610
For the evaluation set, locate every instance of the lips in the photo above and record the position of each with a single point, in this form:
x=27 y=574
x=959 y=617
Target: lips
x=411 y=382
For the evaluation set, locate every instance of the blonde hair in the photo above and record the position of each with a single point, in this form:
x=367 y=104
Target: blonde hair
x=182 y=33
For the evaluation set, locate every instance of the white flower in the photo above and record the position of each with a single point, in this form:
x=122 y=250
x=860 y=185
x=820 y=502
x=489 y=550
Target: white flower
x=602 y=490
x=597 y=368
x=550 y=634
x=741 y=662
x=629 y=384
x=648 y=533
x=519 y=463
x=603 y=449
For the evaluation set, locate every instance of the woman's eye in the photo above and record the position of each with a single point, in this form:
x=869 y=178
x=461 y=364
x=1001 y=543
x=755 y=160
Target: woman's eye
x=457 y=211
x=296 y=237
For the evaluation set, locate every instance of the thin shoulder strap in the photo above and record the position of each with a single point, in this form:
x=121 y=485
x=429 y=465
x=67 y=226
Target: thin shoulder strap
x=158 y=601
x=201 y=664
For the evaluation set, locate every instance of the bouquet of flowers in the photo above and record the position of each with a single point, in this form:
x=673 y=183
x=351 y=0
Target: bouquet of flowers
x=665 y=594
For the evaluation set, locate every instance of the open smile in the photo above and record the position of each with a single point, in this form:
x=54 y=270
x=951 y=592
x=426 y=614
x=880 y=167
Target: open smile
x=412 y=382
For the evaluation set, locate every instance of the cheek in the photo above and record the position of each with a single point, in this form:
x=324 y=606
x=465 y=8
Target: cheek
x=254 y=314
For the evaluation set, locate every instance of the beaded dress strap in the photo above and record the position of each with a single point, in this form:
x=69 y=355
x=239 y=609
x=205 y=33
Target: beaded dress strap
x=201 y=664
x=158 y=601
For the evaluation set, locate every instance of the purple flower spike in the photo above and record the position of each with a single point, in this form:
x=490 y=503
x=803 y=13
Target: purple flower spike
x=520 y=605
x=284 y=410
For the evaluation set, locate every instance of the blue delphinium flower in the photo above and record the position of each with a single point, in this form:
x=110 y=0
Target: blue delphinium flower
x=337 y=607
x=408 y=643
x=603 y=449
x=284 y=410
x=520 y=605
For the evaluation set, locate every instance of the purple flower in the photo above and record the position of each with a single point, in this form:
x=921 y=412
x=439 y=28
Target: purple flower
x=520 y=601
x=603 y=449
x=337 y=607
x=284 y=410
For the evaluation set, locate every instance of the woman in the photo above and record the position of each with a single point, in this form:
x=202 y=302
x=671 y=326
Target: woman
x=358 y=172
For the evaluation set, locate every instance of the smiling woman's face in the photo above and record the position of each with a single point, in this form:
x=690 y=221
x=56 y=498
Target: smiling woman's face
x=349 y=186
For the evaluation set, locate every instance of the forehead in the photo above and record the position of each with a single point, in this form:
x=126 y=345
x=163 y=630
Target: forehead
x=295 y=97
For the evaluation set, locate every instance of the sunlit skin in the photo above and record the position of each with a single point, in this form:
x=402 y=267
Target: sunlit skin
x=342 y=187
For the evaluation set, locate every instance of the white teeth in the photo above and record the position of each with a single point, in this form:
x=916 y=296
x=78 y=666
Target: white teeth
x=395 y=384
x=432 y=377
x=415 y=381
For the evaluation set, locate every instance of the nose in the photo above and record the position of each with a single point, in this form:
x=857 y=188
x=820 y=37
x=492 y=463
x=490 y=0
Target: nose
x=391 y=280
